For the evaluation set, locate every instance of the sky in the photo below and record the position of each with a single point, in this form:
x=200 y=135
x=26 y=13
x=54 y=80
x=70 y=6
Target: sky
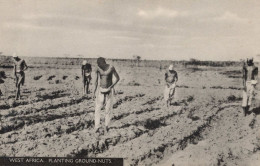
x=152 y=29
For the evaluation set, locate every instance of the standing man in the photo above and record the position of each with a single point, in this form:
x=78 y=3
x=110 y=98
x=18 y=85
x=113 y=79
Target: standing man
x=105 y=92
x=19 y=67
x=2 y=77
x=250 y=76
x=171 y=78
x=86 y=70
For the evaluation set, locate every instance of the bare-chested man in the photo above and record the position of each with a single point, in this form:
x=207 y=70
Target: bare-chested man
x=86 y=70
x=171 y=78
x=2 y=78
x=250 y=76
x=19 y=67
x=105 y=92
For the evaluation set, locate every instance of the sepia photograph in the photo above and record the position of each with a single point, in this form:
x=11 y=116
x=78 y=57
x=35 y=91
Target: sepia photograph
x=129 y=83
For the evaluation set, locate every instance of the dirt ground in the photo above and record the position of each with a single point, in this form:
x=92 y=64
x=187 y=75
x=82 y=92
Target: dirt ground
x=204 y=125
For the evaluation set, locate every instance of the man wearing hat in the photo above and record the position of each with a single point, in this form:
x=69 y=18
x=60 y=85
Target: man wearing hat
x=86 y=76
x=250 y=76
x=171 y=78
x=19 y=67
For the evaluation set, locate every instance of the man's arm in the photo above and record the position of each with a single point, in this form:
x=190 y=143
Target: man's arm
x=82 y=72
x=256 y=74
x=176 y=77
x=25 y=66
x=14 y=70
x=244 y=76
x=117 y=77
x=166 y=76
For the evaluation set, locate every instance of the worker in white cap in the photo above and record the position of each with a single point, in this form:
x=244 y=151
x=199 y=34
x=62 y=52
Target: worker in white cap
x=250 y=79
x=86 y=70
x=171 y=78
x=19 y=67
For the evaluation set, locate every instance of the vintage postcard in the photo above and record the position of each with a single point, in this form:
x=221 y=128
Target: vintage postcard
x=137 y=82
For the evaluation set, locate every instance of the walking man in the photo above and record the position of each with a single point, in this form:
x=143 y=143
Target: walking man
x=105 y=91
x=171 y=78
x=19 y=67
x=86 y=70
x=250 y=76
x=2 y=78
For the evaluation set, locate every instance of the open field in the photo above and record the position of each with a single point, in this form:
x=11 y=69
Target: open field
x=204 y=126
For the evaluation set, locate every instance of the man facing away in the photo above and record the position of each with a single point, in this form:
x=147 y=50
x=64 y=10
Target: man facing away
x=86 y=70
x=105 y=92
x=250 y=76
x=171 y=78
x=19 y=67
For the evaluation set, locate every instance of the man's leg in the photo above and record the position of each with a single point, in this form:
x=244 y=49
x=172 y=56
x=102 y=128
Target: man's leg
x=18 y=93
x=250 y=97
x=171 y=94
x=87 y=85
x=166 y=95
x=16 y=81
x=99 y=105
x=109 y=107
x=89 y=79
x=245 y=102
x=23 y=79
x=244 y=110
x=84 y=85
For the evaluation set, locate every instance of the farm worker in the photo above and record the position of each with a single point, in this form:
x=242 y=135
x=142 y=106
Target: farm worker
x=250 y=76
x=2 y=78
x=171 y=78
x=19 y=67
x=86 y=76
x=105 y=92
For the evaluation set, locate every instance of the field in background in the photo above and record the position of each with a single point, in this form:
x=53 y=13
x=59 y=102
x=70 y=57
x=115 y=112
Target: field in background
x=6 y=61
x=203 y=126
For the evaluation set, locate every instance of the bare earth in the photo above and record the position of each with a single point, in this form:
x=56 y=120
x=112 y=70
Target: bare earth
x=204 y=126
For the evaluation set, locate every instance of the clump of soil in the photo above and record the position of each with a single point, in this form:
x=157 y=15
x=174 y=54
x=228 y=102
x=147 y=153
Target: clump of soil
x=233 y=74
x=133 y=83
x=57 y=82
x=233 y=98
x=64 y=77
x=51 y=77
x=37 y=77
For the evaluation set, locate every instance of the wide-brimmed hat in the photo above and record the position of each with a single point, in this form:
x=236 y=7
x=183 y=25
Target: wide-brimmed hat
x=14 y=55
x=84 y=62
x=171 y=67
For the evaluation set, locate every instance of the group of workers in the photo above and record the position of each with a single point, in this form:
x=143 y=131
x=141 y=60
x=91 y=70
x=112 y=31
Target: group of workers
x=103 y=94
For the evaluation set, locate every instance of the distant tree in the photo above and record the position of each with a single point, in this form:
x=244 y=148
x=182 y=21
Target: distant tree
x=193 y=60
x=137 y=59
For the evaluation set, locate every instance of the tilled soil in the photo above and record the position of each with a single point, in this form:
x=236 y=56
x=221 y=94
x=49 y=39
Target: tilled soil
x=203 y=126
